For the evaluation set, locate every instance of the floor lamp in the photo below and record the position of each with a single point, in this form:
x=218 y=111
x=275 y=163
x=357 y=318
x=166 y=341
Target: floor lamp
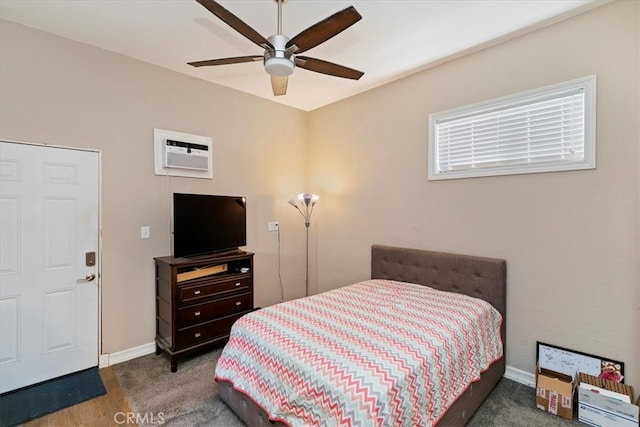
x=304 y=203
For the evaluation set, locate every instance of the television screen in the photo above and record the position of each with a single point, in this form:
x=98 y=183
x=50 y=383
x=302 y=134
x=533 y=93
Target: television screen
x=204 y=224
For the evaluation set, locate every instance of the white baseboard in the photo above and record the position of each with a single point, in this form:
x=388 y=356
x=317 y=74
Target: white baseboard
x=522 y=377
x=103 y=361
x=124 y=355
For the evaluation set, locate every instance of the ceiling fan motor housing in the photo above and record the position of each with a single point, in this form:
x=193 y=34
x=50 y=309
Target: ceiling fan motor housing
x=279 y=61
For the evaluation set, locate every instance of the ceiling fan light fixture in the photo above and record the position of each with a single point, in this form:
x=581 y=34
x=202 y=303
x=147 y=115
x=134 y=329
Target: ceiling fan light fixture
x=278 y=61
x=279 y=66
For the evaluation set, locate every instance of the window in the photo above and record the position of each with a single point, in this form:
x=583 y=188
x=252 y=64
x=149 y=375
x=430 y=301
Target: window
x=542 y=130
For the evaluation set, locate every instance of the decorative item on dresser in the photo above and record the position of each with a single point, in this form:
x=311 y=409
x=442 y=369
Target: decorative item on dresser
x=198 y=300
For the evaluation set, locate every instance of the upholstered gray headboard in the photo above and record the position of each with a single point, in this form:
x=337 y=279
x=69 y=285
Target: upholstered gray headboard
x=484 y=278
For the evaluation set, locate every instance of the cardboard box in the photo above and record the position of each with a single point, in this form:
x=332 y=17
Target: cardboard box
x=201 y=272
x=554 y=393
x=600 y=402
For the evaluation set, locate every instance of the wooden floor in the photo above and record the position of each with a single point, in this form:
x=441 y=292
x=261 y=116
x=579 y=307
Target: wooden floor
x=110 y=409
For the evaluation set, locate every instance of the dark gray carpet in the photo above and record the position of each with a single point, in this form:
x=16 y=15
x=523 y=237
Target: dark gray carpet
x=189 y=397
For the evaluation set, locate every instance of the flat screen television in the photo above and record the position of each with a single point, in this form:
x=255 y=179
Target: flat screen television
x=206 y=224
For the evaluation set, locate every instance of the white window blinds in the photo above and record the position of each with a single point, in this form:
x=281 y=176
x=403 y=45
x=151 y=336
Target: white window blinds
x=536 y=131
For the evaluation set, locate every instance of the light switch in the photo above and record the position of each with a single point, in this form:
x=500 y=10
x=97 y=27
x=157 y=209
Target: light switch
x=145 y=232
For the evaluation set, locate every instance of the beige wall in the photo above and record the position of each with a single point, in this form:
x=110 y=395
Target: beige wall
x=56 y=91
x=570 y=239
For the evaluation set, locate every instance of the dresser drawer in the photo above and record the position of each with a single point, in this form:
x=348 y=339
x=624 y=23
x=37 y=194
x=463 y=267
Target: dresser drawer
x=196 y=292
x=201 y=333
x=200 y=313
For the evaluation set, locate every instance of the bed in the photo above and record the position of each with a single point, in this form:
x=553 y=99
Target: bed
x=478 y=277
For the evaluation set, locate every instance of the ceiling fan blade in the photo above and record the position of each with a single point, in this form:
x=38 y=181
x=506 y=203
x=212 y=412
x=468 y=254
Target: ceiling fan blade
x=279 y=85
x=236 y=23
x=324 y=30
x=325 y=67
x=224 y=61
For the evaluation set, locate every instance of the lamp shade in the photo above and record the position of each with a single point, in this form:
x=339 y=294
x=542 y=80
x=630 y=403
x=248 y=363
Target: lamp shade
x=307 y=198
x=304 y=203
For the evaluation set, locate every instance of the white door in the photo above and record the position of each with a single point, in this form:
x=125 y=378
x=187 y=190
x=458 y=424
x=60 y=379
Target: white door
x=48 y=289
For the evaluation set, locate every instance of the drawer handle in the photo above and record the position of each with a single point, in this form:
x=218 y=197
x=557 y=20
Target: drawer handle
x=197 y=335
x=197 y=313
x=196 y=292
x=239 y=303
x=237 y=284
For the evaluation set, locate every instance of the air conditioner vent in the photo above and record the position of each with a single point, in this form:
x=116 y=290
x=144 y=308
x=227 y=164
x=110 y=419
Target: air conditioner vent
x=186 y=155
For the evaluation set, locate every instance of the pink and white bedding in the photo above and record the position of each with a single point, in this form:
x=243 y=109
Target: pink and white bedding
x=376 y=353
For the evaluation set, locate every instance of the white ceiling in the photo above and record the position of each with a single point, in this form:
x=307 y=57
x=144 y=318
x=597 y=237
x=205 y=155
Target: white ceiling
x=394 y=38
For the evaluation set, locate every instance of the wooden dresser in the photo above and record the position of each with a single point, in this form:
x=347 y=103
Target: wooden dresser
x=199 y=299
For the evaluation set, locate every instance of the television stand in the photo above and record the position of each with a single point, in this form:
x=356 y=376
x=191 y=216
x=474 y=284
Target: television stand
x=194 y=311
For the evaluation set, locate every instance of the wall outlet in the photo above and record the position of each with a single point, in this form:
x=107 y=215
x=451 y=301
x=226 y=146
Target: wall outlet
x=273 y=226
x=145 y=232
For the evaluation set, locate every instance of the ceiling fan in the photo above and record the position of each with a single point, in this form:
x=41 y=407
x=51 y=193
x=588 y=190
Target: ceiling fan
x=281 y=54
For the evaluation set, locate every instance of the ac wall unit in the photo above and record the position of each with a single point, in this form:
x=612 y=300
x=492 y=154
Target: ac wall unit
x=186 y=155
x=182 y=154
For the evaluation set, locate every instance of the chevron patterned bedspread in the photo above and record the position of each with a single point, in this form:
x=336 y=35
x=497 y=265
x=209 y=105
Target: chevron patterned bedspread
x=376 y=353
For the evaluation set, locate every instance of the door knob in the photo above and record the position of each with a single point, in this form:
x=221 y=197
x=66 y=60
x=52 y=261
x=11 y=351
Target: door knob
x=88 y=278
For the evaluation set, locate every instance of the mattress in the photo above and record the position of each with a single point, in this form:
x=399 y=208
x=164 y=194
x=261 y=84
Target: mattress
x=376 y=353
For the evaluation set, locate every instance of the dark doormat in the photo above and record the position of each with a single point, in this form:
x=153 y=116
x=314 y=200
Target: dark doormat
x=31 y=402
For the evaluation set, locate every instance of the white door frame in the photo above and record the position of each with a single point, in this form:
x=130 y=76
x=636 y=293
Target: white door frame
x=101 y=362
